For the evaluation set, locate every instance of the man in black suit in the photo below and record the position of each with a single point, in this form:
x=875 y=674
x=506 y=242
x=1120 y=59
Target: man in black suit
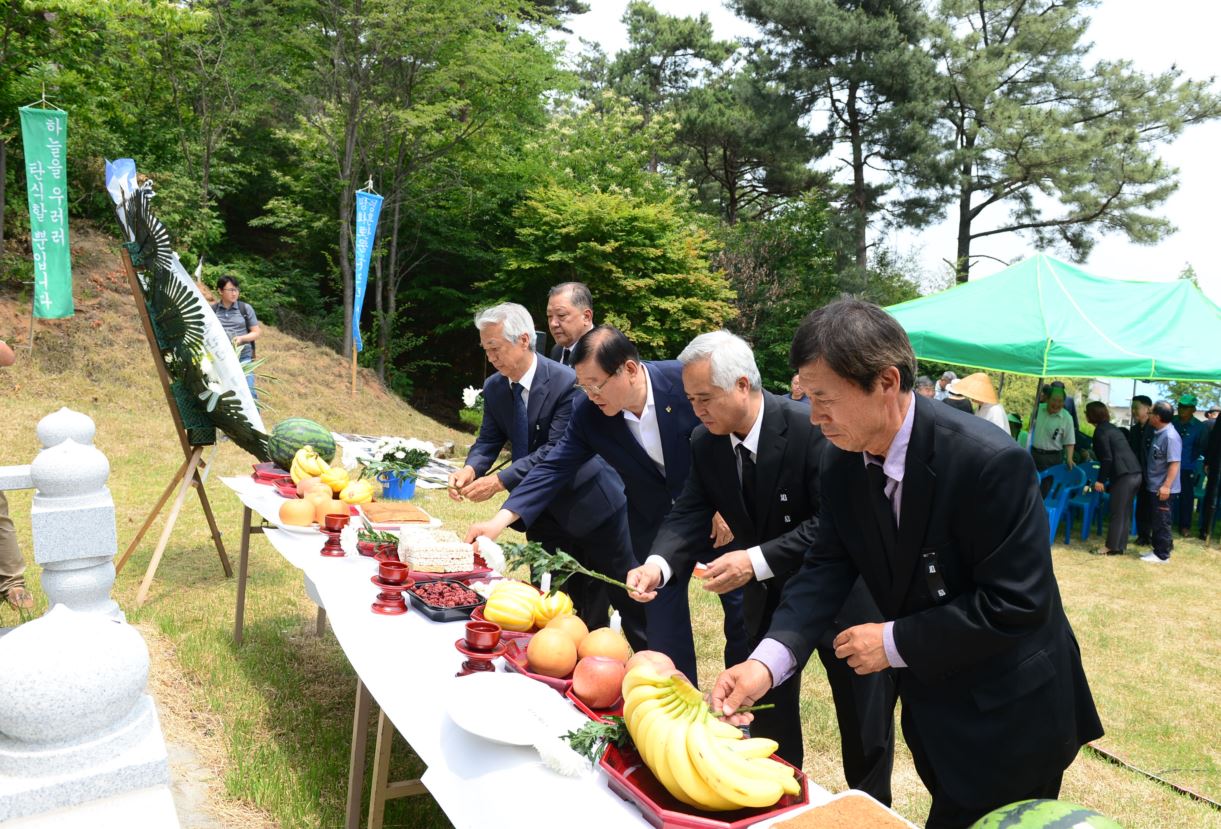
x=638 y=420
x=527 y=404
x=755 y=459
x=570 y=315
x=1212 y=467
x=1140 y=438
x=1119 y=468
x=940 y=514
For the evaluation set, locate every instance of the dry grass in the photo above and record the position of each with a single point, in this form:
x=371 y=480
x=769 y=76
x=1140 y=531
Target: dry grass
x=272 y=719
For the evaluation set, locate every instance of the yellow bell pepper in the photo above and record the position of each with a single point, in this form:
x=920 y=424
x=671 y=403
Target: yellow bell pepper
x=357 y=492
x=336 y=478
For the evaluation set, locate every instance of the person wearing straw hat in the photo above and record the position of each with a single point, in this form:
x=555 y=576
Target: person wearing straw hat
x=978 y=388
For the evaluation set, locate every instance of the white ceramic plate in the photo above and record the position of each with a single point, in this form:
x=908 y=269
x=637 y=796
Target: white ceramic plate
x=510 y=708
x=298 y=530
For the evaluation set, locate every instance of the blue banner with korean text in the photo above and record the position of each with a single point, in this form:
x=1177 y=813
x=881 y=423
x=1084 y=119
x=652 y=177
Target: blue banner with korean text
x=44 y=137
x=368 y=208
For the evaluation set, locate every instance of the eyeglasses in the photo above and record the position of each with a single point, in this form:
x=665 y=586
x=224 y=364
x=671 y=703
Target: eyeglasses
x=593 y=391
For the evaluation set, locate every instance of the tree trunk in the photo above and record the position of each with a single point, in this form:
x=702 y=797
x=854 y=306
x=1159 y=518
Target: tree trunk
x=379 y=280
x=3 y=179
x=347 y=193
x=386 y=313
x=962 y=258
x=860 y=222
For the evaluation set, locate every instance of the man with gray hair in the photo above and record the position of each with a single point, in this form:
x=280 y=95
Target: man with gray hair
x=527 y=404
x=943 y=385
x=570 y=315
x=756 y=460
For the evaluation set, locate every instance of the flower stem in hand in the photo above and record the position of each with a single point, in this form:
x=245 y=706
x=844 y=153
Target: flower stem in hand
x=746 y=709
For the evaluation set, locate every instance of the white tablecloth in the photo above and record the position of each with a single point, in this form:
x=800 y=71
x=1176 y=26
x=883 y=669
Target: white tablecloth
x=478 y=783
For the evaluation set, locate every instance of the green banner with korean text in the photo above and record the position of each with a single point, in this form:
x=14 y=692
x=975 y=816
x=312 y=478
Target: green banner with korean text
x=44 y=137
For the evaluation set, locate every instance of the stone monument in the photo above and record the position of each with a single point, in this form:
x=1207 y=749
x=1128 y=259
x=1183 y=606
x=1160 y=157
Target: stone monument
x=80 y=741
x=72 y=517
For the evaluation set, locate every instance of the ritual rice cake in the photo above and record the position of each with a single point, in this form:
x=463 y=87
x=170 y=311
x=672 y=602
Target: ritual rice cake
x=848 y=811
x=435 y=551
x=395 y=512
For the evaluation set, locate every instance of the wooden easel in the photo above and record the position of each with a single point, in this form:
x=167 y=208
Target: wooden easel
x=190 y=472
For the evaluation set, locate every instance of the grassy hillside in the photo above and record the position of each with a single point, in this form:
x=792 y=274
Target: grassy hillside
x=277 y=711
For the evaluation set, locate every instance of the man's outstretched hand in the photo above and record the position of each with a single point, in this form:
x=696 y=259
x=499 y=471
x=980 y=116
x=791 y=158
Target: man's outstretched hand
x=742 y=685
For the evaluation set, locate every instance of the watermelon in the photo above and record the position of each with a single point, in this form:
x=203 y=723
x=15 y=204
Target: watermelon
x=290 y=435
x=1044 y=814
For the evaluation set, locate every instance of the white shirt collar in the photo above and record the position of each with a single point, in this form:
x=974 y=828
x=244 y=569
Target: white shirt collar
x=895 y=463
x=752 y=437
x=527 y=379
x=648 y=398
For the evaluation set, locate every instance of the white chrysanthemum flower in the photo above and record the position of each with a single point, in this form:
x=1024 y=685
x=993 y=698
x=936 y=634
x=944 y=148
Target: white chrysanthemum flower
x=470 y=397
x=560 y=758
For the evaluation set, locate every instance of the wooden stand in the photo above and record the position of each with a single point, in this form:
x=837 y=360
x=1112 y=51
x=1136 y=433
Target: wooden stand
x=243 y=571
x=381 y=789
x=189 y=474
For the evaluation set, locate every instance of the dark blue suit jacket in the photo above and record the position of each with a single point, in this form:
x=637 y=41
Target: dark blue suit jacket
x=591 y=433
x=595 y=492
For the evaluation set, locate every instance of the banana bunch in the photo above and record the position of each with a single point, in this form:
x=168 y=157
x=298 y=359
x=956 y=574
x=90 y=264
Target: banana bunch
x=307 y=463
x=702 y=761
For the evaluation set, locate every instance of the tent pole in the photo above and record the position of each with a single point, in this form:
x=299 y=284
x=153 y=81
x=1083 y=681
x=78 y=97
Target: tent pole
x=1034 y=412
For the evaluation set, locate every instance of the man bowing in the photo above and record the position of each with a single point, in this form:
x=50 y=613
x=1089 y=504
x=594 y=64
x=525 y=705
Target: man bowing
x=755 y=459
x=527 y=404
x=939 y=513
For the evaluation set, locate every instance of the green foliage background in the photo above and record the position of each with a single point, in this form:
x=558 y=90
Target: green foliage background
x=692 y=182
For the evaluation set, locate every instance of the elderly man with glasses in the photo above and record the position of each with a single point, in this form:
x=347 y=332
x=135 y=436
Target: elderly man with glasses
x=527 y=404
x=637 y=418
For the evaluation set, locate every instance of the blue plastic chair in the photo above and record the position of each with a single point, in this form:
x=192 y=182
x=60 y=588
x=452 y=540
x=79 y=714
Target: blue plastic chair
x=1087 y=500
x=1064 y=484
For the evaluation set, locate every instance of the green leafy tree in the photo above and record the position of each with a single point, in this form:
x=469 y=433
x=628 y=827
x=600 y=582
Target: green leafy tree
x=1069 y=147
x=395 y=88
x=664 y=57
x=647 y=263
x=781 y=269
x=865 y=65
x=747 y=151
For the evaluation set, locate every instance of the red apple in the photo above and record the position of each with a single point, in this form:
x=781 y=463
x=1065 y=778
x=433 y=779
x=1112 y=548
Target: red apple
x=596 y=681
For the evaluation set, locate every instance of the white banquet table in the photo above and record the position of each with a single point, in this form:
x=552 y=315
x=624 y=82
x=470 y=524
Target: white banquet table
x=476 y=782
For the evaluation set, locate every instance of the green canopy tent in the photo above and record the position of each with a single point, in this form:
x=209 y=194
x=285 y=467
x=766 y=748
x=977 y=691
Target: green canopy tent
x=1043 y=317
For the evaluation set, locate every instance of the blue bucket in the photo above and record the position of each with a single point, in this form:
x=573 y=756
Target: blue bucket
x=397 y=487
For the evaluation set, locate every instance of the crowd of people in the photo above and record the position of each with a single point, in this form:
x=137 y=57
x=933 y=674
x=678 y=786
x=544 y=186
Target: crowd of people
x=1164 y=466
x=903 y=541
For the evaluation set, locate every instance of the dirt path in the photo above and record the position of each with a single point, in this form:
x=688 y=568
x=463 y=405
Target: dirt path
x=196 y=747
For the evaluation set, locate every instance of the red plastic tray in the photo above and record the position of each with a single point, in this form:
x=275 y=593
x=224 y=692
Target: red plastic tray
x=268 y=472
x=515 y=661
x=631 y=779
x=286 y=488
x=595 y=714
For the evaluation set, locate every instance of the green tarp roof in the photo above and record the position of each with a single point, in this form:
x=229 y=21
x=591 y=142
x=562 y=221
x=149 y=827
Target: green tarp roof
x=1044 y=317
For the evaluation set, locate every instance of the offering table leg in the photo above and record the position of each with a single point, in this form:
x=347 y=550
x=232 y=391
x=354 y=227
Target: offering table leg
x=243 y=566
x=356 y=764
x=383 y=790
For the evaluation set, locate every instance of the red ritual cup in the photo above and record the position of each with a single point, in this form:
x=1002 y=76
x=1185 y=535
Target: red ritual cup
x=392 y=572
x=482 y=636
x=335 y=522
